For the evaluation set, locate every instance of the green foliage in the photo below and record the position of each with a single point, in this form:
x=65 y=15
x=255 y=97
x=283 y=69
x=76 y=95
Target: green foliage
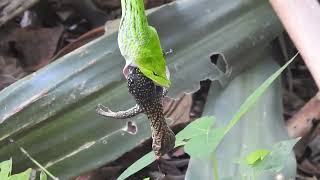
x=262 y=161
x=203 y=145
x=200 y=134
x=275 y=160
x=201 y=140
x=256 y=156
x=5 y=169
x=43 y=176
x=138 y=165
x=196 y=128
x=21 y=176
x=44 y=171
x=5 y=172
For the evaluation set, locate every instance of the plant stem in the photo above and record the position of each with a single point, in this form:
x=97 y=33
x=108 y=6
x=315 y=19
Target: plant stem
x=215 y=166
x=33 y=160
x=38 y=164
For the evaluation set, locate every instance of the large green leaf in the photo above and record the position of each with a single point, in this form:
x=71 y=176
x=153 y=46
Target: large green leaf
x=51 y=113
x=202 y=146
x=196 y=128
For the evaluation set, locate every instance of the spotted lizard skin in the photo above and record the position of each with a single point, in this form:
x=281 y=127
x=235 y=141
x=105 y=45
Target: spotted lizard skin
x=148 y=96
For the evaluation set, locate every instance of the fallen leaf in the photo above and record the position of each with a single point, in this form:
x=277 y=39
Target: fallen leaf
x=34 y=46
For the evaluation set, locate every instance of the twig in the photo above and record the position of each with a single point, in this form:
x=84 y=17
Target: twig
x=33 y=160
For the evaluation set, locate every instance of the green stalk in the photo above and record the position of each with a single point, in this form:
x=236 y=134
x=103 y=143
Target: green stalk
x=34 y=161
x=215 y=166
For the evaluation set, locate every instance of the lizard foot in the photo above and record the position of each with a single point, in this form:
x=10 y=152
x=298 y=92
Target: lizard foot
x=104 y=111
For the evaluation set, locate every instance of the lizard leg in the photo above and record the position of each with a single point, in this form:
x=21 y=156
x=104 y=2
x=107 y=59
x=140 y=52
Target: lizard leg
x=105 y=111
x=135 y=110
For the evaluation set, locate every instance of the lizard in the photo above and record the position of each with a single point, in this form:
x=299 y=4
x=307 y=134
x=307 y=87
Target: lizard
x=146 y=72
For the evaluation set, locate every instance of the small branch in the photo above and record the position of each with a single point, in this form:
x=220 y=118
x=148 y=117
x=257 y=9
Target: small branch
x=305 y=119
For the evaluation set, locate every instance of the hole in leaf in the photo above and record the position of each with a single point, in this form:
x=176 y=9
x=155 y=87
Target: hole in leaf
x=218 y=60
x=131 y=128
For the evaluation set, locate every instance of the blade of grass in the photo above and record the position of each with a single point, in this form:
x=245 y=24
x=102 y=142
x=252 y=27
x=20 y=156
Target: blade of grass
x=252 y=99
x=138 y=165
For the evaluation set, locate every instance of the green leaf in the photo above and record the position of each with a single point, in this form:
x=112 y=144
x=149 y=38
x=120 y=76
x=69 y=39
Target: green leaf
x=196 y=128
x=138 y=165
x=146 y=178
x=204 y=144
x=43 y=176
x=256 y=156
x=36 y=162
x=276 y=159
x=5 y=169
x=22 y=176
